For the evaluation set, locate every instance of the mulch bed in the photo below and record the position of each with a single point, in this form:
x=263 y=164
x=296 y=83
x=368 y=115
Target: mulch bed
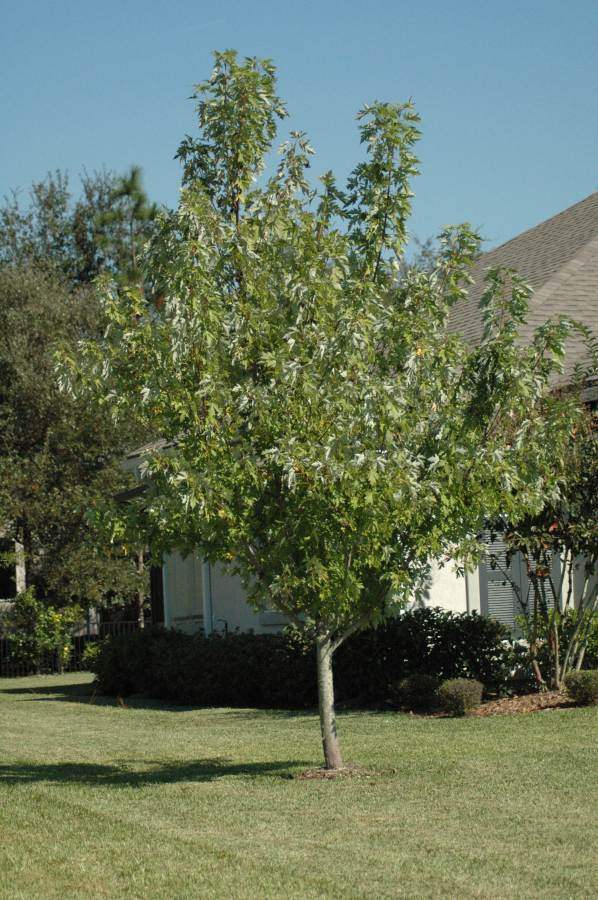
x=528 y=703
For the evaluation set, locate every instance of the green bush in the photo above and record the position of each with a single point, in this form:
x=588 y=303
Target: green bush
x=582 y=686
x=590 y=660
x=277 y=670
x=90 y=655
x=40 y=635
x=418 y=692
x=233 y=670
x=428 y=641
x=459 y=695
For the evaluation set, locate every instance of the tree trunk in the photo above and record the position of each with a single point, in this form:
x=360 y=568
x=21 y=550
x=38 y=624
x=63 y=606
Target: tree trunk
x=140 y=590
x=330 y=744
x=20 y=568
x=23 y=556
x=558 y=674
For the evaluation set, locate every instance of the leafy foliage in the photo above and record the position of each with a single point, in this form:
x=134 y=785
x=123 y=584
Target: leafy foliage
x=35 y=630
x=60 y=455
x=582 y=687
x=327 y=436
x=460 y=695
x=102 y=230
x=559 y=610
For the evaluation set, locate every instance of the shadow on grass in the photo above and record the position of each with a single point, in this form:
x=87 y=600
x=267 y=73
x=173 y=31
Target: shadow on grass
x=73 y=692
x=157 y=772
x=87 y=694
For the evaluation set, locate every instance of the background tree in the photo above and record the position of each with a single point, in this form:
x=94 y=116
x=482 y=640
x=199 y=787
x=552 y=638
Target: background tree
x=329 y=437
x=559 y=549
x=124 y=226
x=58 y=455
x=101 y=230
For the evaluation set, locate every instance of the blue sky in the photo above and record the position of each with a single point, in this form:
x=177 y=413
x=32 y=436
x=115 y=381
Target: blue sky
x=507 y=92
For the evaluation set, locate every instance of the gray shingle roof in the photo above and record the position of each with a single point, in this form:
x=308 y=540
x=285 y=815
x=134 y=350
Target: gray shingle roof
x=559 y=259
x=160 y=444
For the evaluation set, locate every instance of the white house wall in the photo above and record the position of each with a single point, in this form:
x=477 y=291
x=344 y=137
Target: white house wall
x=446 y=589
x=201 y=596
x=183 y=594
x=214 y=600
x=230 y=610
x=211 y=600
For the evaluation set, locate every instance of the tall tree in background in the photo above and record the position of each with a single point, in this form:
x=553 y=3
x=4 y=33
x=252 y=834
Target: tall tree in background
x=329 y=438
x=124 y=226
x=59 y=456
x=101 y=230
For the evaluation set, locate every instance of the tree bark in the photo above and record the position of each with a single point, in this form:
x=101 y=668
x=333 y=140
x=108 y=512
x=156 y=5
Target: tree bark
x=20 y=568
x=140 y=590
x=330 y=744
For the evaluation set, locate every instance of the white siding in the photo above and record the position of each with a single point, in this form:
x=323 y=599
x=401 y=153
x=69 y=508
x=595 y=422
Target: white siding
x=184 y=580
x=183 y=596
x=230 y=610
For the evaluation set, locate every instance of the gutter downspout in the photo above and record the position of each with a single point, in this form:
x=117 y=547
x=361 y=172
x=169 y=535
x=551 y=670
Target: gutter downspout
x=206 y=584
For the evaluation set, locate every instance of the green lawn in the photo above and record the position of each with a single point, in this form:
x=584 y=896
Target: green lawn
x=156 y=801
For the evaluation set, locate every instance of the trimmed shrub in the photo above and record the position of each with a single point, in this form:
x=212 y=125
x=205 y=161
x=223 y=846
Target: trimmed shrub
x=459 y=695
x=428 y=641
x=279 y=671
x=418 y=692
x=270 y=671
x=582 y=686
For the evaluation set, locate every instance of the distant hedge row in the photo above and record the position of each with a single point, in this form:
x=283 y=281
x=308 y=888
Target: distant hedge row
x=277 y=671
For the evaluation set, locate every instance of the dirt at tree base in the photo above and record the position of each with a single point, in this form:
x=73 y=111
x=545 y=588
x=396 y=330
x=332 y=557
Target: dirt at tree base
x=324 y=774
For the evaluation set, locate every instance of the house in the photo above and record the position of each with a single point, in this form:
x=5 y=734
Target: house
x=559 y=259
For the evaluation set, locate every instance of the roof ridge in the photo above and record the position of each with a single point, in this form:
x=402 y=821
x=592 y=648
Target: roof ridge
x=540 y=225
x=571 y=268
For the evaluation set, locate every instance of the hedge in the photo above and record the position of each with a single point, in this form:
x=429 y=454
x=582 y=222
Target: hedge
x=278 y=671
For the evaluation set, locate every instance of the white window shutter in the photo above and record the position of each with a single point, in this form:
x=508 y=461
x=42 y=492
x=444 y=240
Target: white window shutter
x=498 y=599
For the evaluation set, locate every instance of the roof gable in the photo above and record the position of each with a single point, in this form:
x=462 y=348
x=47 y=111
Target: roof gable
x=559 y=259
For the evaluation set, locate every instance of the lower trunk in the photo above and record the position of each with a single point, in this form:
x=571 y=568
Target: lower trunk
x=330 y=744
x=538 y=674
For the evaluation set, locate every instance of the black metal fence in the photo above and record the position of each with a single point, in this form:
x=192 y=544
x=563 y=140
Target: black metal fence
x=11 y=667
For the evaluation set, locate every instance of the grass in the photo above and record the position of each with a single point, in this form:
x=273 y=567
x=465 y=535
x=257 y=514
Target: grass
x=170 y=802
